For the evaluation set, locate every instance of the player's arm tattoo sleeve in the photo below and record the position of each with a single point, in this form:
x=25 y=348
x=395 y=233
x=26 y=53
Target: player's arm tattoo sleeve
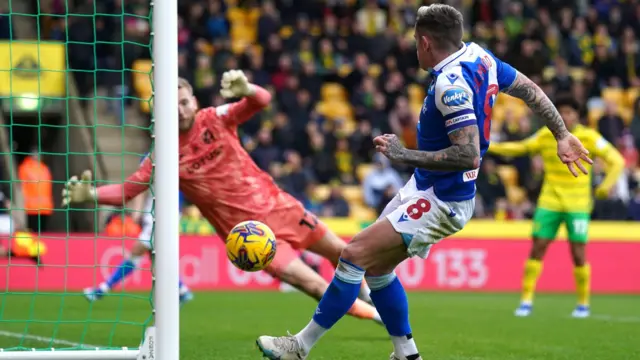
x=463 y=154
x=526 y=90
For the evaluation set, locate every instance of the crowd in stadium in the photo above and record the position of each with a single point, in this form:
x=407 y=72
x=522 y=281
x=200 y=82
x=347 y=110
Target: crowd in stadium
x=343 y=71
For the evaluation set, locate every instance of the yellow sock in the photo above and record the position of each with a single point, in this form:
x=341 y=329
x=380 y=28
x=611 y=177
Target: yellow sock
x=532 y=270
x=582 y=275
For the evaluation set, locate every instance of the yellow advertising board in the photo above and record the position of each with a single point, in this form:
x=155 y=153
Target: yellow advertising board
x=37 y=69
x=511 y=230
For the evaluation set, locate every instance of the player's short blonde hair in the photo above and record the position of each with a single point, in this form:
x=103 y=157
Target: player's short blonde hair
x=184 y=84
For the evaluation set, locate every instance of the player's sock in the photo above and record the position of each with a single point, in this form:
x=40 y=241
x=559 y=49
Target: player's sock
x=362 y=310
x=335 y=303
x=582 y=275
x=390 y=299
x=126 y=268
x=532 y=270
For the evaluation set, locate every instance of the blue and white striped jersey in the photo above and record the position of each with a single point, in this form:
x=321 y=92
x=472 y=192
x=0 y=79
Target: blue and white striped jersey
x=462 y=93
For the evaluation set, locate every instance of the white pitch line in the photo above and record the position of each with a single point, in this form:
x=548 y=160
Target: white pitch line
x=44 y=339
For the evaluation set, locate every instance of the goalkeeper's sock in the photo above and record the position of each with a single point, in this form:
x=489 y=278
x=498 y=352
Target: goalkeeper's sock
x=532 y=270
x=582 y=275
x=126 y=268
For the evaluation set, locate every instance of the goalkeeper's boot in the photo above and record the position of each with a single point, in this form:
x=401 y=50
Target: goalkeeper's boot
x=93 y=294
x=281 y=348
x=396 y=357
x=581 y=312
x=524 y=309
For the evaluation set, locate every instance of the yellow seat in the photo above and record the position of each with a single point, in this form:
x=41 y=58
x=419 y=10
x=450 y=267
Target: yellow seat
x=142 y=83
x=626 y=114
x=577 y=73
x=286 y=32
x=335 y=110
x=416 y=107
x=363 y=170
x=332 y=92
x=515 y=195
x=593 y=116
x=416 y=93
x=344 y=70
x=614 y=95
x=321 y=192
x=353 y=194
x=508 y=174
x=631 y=96
x=362 y=213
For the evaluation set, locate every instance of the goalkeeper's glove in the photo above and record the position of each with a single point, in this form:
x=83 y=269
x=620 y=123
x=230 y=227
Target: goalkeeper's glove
x=78 y=191
x=235 y=84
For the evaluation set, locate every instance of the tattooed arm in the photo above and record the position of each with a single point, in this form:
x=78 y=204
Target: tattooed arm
x=526 y=90
x=463 y=154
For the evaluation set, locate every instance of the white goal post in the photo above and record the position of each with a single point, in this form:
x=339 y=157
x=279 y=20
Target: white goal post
x=161 y=341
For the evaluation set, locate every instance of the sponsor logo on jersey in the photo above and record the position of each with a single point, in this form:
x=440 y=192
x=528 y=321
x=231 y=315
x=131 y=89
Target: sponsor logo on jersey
x=207 y=136
x=201 y=161
x=404 y=217
x=470 y=175
x=452 y=78
x=455 y=96
x=459 y=119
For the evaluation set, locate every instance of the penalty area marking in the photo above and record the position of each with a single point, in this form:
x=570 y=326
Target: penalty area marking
x=48 y=340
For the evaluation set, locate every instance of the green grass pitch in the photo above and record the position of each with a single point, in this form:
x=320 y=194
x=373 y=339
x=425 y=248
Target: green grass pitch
x=447 y=326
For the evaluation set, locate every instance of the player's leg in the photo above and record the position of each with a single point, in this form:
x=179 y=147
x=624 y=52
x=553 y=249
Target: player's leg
x=381 y=245
x=288 y=267
x=545 y=228
x=128 y=265
x=577 y=228
x=330 y=247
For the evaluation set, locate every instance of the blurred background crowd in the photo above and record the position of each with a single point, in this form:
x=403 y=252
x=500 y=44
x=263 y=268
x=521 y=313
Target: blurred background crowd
x=344 y=71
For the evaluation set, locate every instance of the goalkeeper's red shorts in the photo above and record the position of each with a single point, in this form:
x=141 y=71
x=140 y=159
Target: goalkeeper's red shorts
x=295 y=230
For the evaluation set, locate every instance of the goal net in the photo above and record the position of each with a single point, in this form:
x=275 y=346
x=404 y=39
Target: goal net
x=75 y=87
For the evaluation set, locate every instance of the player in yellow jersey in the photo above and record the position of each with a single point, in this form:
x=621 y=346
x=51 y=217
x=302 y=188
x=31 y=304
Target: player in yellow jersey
x=564 y=199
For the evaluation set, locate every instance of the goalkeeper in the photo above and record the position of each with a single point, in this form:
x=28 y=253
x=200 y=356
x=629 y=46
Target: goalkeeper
x=564 y=199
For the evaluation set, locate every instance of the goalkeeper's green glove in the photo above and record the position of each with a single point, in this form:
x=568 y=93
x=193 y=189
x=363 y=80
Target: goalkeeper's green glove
x=235 y=84
x=78 y=191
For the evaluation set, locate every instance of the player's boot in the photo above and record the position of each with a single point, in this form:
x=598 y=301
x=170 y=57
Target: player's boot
x=186 y=297
x=581 y=312
x=281 y=348
x=93 y=294
x=524 y=310
x=395 y=357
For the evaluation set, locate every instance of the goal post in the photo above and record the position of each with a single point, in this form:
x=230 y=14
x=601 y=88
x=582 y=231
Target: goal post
x=43 y=313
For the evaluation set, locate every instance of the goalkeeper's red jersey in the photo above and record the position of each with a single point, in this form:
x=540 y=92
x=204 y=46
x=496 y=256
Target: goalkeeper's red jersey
x=216 y=173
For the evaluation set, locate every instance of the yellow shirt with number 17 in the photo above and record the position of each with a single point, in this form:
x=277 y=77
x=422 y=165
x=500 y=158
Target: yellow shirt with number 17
x=561 y=191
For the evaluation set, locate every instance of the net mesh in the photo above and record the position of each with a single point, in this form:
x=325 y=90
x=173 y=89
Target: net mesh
x=68 y=76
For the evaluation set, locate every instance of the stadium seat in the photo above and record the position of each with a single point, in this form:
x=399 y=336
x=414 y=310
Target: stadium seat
x=614 y=95
x=363 y=170
x=508 y=174
x=321 y=192
x=362 y=213
x=593 y=116
x=142 y=83
x=515 y=195
x=626 y=114
x=577 y=73
x=335 y=110
x=333 y=92
x=631 y=96
x=416 y=93
x=416 y=107
x=286 y=32
x=353 y=194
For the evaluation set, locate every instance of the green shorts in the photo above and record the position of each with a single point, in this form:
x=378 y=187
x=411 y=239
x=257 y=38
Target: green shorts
x=546 y=224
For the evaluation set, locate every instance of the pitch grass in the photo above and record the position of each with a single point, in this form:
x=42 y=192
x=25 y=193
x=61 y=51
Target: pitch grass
x=447 y=326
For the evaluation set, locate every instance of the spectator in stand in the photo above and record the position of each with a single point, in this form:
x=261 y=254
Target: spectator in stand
x=611 y=124
x=634 y=206
x=335 y=205
x=491 y=191
x=635 y=124
x=377 y=182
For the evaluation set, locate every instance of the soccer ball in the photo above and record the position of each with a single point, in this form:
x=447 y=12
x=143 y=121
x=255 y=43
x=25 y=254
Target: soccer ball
x=251 y=246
